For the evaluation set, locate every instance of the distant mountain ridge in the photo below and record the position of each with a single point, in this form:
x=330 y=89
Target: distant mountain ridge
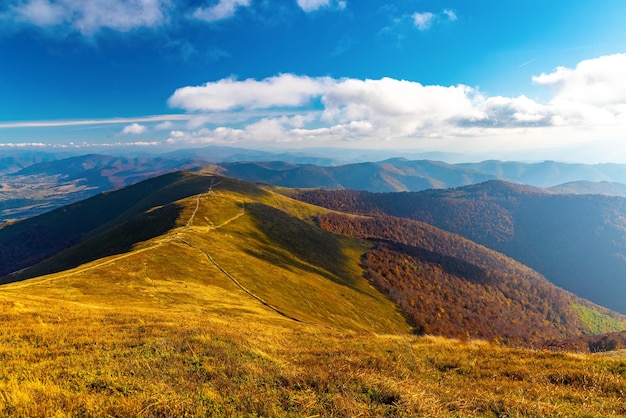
x=49 y=184
x=550 y=173
x=400 y=175
x=37 y=182
x=607 y=188
x=13 y=162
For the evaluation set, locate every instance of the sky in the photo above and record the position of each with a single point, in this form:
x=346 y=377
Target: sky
x=506 y=79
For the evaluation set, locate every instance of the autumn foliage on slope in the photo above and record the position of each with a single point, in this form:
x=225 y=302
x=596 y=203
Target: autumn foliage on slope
x=575 y=241
x=448 y=285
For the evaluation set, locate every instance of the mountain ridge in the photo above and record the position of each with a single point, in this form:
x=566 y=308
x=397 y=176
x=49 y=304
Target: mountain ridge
x=41 y=182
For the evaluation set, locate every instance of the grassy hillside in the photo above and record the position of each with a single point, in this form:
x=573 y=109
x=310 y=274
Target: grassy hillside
x=27 y=242
x=235 y=236
x=444 y=284
x=237 y=310
x=575 y=241
x=63 y=358
x=236 y=305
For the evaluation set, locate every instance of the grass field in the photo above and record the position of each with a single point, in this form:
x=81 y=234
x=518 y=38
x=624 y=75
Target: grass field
x=235 y=313
x=70 y=359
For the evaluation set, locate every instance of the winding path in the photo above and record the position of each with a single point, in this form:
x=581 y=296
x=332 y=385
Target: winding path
x=219 y=267
x=238 y=284
x=174 y=236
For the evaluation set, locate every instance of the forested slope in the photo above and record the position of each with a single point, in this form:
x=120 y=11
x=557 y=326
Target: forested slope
x=448 y=285
x=578 y=242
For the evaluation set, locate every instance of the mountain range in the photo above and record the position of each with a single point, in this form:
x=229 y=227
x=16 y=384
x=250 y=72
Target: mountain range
x=400 y=175
x=34 y=182
x=444 y=284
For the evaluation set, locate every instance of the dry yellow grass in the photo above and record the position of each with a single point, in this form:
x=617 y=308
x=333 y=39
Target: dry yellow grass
x=68 y=359
x=162 y=331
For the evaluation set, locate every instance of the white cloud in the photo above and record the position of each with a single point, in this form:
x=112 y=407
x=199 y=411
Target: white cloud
x=87 y=122
x=23 y=145
x=511 y=112
x=134 y=129
x=286 y=90
x=326 y=110
x=164 y=126
x=390 y=113
x=41 y=12
x=222 y=10
x=451 y=15
x=600 y=81
x=353 y=98
x=90 y=16
x=272 y=130
x=177 y=134
x=311 y=5
x=384 y=108
x=423 y=21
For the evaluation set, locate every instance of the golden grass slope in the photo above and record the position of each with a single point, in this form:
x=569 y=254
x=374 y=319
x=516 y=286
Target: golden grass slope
x=67 y=359
x=246 y=309
x=231 y=250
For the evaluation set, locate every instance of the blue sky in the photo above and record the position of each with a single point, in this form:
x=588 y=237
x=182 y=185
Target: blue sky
x=509 y=79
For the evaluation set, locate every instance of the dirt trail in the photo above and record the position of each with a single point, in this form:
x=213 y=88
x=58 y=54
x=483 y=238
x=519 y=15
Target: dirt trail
x=238 y=284
x=219 y=267
x=174 y=236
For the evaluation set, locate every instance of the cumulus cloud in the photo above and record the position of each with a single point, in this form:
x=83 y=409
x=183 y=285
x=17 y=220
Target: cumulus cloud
x=423 y=21
x=90 y=16
x=327 y=110
x=383 y=112
x=520 y=111
x=280 y=129
x=286 y=90
x=598 y=81
x=353 y=108
x=311 y=5
x=134 y=129
x=222 y=10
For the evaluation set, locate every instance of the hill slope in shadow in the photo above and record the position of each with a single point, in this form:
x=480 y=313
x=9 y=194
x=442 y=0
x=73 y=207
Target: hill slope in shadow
x=576 y=241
